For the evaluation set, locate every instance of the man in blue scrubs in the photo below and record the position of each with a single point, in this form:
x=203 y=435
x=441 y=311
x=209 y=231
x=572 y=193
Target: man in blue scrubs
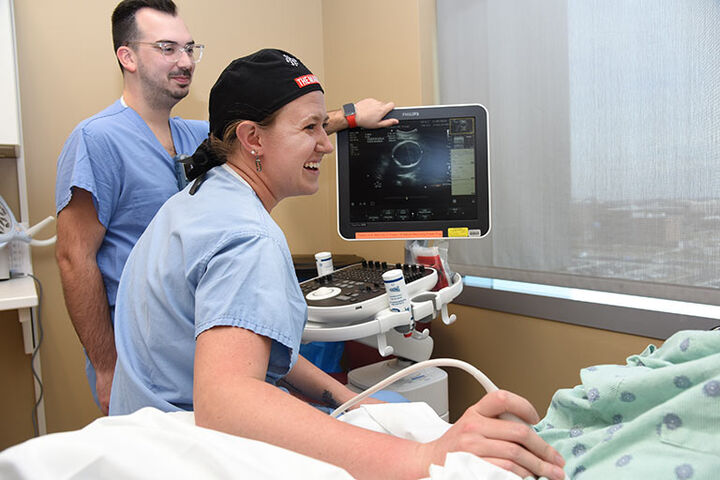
x=117 y=168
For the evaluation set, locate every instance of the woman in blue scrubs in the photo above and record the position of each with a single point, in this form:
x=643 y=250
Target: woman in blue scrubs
x=209 y=314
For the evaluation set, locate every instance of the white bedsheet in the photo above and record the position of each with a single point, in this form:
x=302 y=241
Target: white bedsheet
x=152 y=444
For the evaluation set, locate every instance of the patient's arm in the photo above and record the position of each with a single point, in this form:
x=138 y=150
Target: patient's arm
x=231 y=395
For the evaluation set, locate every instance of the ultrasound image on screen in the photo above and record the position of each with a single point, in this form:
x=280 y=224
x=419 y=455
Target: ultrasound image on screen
x=418 y=170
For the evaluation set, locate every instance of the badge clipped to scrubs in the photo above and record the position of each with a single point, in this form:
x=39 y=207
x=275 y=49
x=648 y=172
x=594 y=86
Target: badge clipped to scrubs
x=182 y=164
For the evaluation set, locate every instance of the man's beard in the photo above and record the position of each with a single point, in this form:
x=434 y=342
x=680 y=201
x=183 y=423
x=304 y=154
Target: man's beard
x=159 y=95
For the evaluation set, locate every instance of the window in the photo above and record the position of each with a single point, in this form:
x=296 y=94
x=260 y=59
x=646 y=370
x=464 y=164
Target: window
x=604 y=141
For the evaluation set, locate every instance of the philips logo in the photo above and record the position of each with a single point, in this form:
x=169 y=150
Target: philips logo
x=410 y=114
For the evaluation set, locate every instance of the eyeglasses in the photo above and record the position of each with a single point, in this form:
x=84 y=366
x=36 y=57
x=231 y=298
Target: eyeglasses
x=171 y=51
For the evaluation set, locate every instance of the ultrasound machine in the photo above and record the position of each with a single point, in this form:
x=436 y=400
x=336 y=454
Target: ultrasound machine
x=425 y=178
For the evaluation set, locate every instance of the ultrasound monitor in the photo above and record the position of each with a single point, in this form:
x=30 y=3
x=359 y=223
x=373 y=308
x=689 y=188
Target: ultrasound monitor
x=425 y=178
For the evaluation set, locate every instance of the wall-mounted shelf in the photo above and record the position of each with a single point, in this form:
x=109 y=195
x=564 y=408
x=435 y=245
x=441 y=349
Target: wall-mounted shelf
x=9 y=151
x=20 y=294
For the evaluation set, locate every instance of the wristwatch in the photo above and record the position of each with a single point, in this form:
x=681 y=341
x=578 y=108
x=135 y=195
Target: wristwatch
x=349 y=112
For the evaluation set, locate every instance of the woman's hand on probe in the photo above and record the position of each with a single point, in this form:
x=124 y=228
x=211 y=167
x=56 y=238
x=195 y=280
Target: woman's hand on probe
x=508 y=444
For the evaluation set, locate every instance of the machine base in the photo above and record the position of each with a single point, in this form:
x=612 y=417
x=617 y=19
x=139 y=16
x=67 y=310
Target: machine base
x=429 y=385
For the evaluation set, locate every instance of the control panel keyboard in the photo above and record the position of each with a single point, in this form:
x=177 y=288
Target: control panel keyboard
x=357 y=292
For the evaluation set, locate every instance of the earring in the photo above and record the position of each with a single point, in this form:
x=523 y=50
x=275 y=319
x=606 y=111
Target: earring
x=258 y=165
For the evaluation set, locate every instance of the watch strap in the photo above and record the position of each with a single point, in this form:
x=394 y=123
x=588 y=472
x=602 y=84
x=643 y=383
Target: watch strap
x=349 y=113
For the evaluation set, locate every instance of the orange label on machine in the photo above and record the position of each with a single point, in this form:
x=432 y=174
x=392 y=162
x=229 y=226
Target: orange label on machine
x=388 y=235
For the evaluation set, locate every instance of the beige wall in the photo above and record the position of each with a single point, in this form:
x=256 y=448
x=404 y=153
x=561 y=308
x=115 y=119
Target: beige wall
x=528 y=356
x=376 y=49
x=370 y=48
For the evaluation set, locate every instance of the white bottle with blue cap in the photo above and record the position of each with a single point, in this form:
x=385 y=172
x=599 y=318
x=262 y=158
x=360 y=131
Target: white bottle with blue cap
x=398 y=297
x=324 y=263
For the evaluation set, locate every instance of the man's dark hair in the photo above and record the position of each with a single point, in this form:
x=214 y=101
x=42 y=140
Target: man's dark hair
x=124 y=27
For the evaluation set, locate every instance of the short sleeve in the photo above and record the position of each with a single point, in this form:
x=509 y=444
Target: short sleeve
x=72 y=170
x=83 y=164
x=249 y=283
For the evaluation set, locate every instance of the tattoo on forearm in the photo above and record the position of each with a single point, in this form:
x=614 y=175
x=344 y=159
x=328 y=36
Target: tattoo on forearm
x=327 y=397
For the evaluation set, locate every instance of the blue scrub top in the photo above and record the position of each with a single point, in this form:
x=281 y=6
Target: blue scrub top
x=215 y=258
x=117 y=158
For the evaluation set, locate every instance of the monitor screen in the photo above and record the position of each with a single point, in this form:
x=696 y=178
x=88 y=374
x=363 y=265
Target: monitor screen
x=426 y=177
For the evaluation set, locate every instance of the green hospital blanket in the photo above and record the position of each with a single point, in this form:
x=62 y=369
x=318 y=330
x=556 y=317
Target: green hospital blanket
x=658 y=417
